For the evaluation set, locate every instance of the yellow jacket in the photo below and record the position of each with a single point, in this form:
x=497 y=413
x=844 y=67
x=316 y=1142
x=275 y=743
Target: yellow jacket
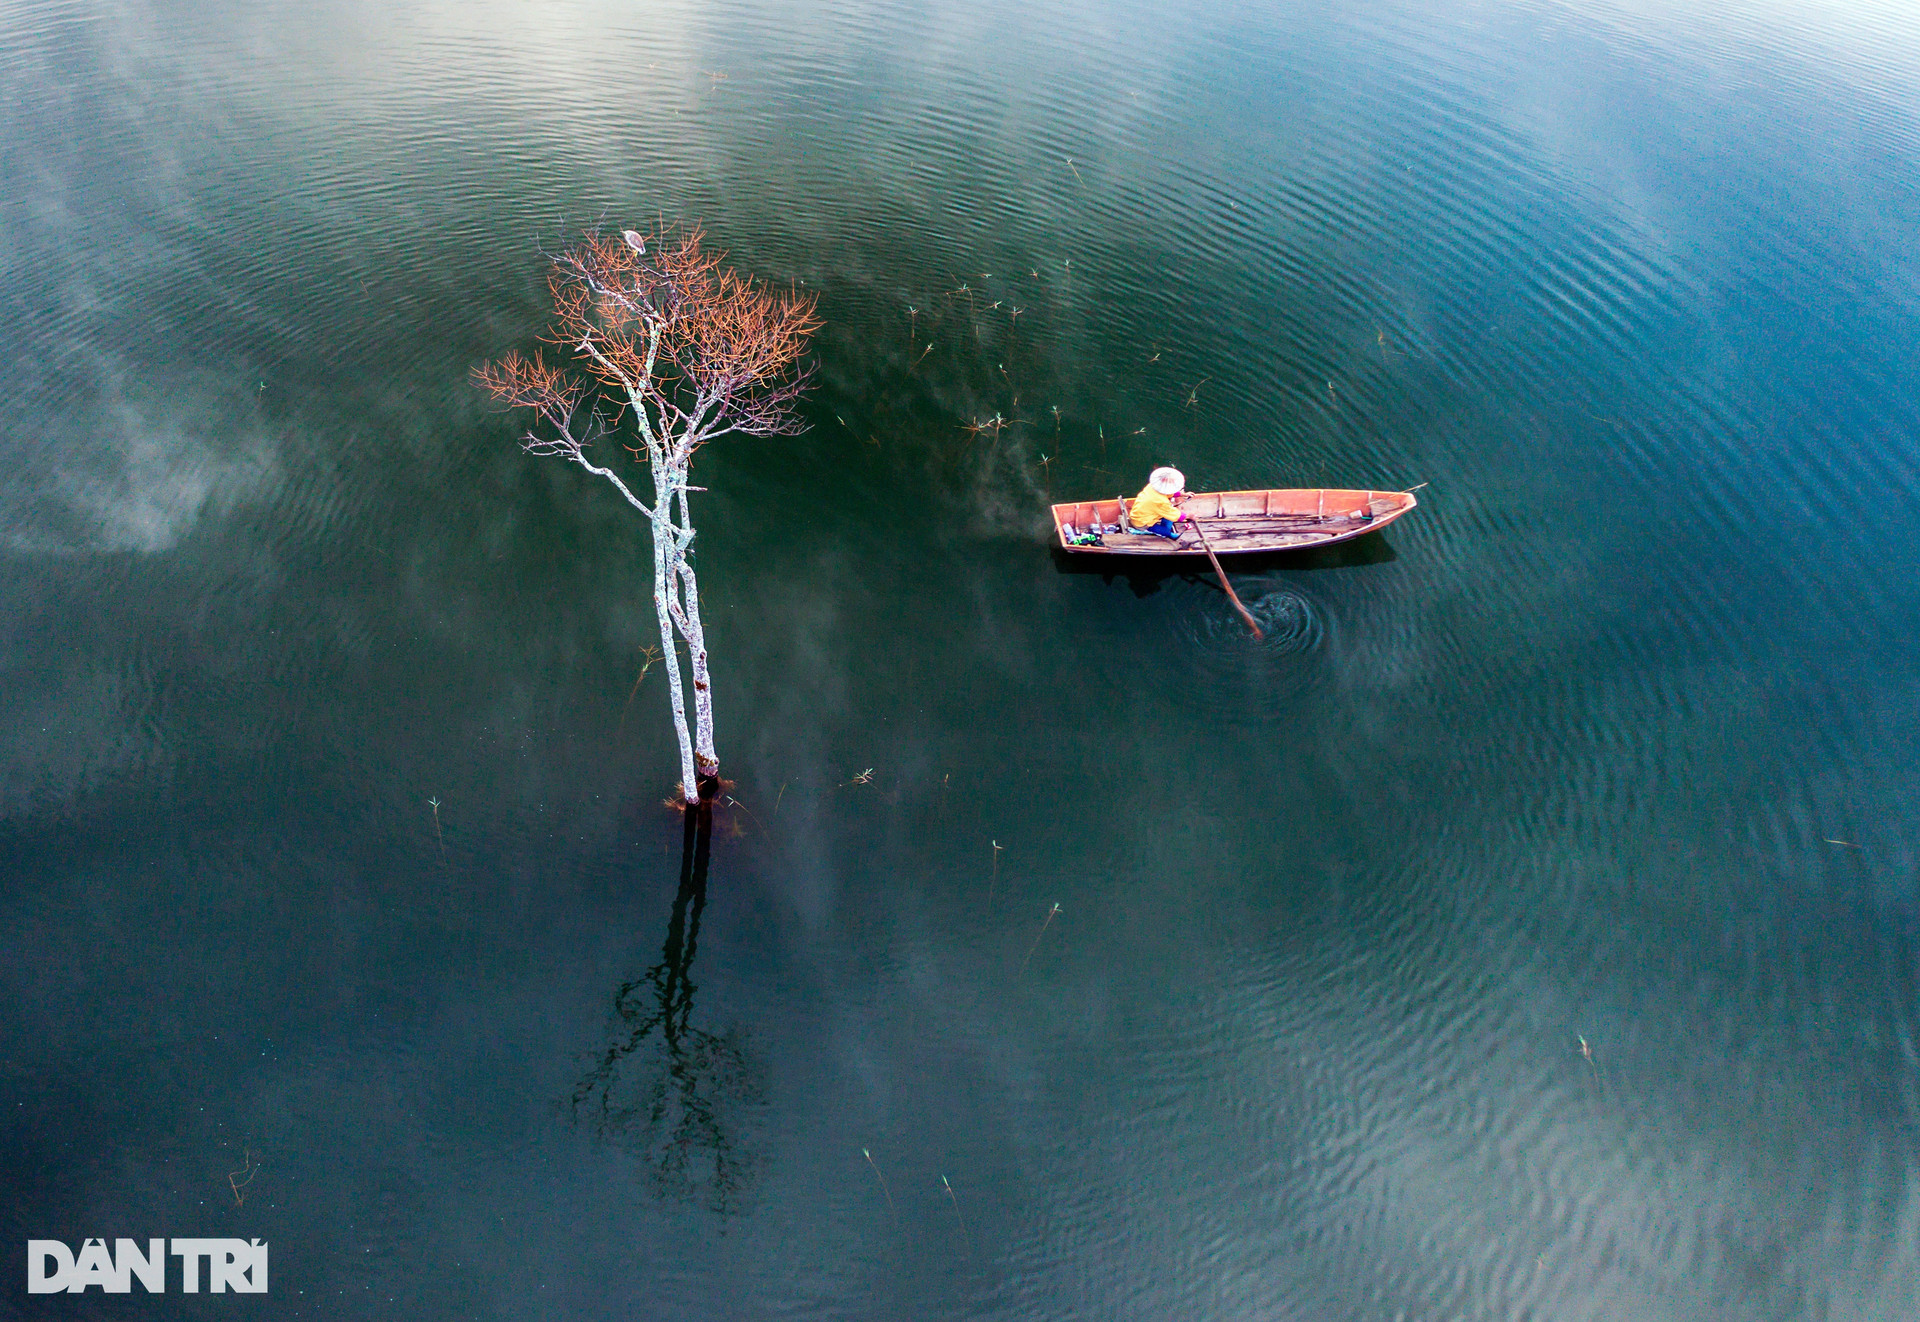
x=1151 y=507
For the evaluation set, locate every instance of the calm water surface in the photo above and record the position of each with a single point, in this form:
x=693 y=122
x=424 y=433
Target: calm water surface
x=1610 y=742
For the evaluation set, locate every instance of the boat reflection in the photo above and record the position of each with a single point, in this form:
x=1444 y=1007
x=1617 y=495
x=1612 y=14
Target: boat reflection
x=1372 y=549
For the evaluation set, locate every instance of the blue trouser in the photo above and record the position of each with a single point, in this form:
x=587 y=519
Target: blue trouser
x=1164 y=528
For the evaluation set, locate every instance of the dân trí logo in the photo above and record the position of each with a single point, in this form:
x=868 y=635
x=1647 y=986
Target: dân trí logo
x=232 y=1264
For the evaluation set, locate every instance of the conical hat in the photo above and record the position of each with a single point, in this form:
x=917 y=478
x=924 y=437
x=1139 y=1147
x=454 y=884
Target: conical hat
x=1167 y=481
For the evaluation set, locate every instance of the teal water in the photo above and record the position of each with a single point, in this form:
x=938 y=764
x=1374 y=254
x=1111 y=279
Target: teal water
x=1609 y=741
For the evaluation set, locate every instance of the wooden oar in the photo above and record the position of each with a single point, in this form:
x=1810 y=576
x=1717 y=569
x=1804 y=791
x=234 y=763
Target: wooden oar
x=1238 y=605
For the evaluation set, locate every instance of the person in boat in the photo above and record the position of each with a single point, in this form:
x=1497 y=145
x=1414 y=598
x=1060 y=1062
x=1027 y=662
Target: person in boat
x=1157 y=509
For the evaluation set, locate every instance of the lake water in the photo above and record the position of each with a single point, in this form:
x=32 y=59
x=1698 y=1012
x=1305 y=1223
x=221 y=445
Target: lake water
x=1609 y=743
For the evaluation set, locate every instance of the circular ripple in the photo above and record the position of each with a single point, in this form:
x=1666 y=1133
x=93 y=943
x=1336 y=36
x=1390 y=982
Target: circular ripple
x=1287 y=619
x=1248 y=674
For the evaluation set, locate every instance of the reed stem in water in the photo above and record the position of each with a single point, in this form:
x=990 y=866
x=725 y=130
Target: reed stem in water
x=1036 y=940
x=965 y=1238
x=883 y=1180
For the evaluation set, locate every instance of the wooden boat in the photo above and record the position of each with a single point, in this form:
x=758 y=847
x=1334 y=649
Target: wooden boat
x=1239 y=522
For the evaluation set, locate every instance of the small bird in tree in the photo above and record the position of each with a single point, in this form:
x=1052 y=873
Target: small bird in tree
x=686 y=351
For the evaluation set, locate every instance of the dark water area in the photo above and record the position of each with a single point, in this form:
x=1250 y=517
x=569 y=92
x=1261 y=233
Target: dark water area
x=1610 y=742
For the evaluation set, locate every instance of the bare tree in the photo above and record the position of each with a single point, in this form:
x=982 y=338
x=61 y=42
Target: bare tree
x=685 y=351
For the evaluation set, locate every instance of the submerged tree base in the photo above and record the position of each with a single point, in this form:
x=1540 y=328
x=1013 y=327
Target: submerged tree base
x=708 y=790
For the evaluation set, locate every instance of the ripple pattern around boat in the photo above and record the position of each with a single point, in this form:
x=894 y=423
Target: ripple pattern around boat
x=1256 y=677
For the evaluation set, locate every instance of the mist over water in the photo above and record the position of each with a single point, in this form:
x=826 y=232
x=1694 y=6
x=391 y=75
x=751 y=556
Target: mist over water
x=1609 y=741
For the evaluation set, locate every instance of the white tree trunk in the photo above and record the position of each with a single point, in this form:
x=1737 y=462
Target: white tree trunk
x=676 y=593
x=704 y=755
x=669 y=565
x=663 y=584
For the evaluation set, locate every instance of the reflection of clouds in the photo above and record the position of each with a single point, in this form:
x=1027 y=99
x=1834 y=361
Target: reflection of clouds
x=1865 y=36
x=1720 y=87
x=356 y=61
x=133 y=466
x=140 y=421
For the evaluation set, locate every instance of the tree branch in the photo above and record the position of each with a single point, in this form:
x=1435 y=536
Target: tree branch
x=694 y=352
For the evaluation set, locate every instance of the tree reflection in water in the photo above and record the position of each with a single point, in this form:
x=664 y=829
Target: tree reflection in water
x=665 y=1086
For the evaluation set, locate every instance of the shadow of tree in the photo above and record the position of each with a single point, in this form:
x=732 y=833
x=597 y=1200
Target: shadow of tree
x=673 y=1091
